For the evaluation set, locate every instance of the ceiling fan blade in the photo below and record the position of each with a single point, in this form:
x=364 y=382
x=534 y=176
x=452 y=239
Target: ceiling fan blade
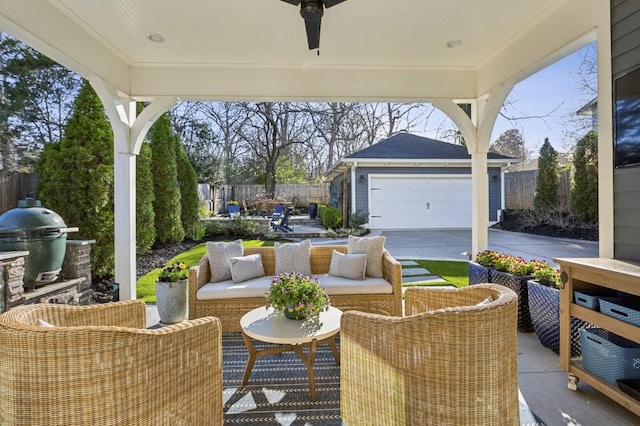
x=329 y=3
x=313 y=33
x=293 y=2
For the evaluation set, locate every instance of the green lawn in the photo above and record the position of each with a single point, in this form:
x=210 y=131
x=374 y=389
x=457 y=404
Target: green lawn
x=145 y=286
x=453 y=272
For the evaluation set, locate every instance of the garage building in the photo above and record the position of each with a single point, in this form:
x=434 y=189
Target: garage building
x=413 y=182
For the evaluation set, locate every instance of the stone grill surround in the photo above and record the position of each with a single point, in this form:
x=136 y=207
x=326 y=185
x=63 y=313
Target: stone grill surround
x=73 y=286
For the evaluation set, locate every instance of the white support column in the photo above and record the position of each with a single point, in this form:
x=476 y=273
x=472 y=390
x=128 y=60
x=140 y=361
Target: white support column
x=128 y=134
x=605 y=136
x=477 y=133
x=353 y=185
x=479 y=203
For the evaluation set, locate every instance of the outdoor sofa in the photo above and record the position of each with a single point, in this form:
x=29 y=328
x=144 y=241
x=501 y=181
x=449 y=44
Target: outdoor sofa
x=229 y=301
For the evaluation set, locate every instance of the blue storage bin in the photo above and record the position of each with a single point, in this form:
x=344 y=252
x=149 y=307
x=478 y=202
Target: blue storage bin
x=609 y=356
x=625 y=309
x=590 y=299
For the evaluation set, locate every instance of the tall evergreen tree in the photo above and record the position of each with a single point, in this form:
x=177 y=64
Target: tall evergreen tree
x=165 y=182
x=76 y=178
x=188 y=182
x=546 y=196
x=584 y=191
x=145 y=216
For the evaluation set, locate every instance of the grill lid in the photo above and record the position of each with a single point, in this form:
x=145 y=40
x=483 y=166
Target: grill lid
x=31 y=217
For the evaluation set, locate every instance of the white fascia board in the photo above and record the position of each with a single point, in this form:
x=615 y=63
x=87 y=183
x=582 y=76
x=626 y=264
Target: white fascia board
x=46 y=29
x=380 y=162
x=302 y=83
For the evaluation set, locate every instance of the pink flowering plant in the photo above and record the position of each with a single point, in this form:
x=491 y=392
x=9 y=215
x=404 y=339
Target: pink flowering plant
x=296 y=295
x=174 y=272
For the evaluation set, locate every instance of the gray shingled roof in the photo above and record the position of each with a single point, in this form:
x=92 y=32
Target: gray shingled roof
x=412 y=147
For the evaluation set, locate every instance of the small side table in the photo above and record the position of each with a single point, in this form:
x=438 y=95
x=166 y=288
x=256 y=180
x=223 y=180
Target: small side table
x=266 y=325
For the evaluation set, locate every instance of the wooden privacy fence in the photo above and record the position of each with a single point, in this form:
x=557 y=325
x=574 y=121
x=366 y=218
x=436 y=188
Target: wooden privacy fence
x=15 y=187
x=520 y=188
x=300 y=195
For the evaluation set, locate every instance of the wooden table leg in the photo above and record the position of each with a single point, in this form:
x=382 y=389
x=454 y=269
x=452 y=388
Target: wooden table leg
x=308 y=361
x=252 y=358
x=332 y=344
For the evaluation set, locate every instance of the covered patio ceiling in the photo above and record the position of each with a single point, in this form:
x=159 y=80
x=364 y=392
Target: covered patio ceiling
x=257 y=49
x=441 y=52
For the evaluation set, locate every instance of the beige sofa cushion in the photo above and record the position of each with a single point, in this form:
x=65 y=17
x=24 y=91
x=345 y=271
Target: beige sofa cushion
x=338 y=285
x=257 y=287
x=220 y=254
x=373 y=248
x=352 y=266
x=293 y=257
x=246 y=267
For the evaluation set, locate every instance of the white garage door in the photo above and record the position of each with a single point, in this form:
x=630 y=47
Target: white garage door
x=419 y=202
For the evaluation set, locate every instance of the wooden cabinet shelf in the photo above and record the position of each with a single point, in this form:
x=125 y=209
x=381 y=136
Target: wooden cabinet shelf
x=595 y=273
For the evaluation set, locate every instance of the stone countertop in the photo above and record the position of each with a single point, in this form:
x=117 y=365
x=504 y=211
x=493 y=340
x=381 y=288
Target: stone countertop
x=6 y=255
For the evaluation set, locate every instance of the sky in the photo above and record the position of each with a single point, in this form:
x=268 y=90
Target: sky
x=554 y=95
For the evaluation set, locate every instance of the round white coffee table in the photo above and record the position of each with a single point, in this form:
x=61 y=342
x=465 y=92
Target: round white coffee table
x=266 y=325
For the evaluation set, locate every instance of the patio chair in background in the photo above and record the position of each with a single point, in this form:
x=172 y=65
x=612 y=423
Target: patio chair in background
x=282 y=223
x=98 y=364
x=452 y=360
x=277 y=212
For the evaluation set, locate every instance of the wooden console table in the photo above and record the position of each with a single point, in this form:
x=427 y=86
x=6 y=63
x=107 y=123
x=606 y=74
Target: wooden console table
x=595 y=273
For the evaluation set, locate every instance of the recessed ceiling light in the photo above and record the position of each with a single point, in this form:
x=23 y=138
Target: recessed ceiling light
x=155 y=37
x=453 y=43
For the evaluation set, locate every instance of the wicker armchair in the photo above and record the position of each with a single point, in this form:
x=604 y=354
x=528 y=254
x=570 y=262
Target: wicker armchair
x=98 y=365
x=451 y=361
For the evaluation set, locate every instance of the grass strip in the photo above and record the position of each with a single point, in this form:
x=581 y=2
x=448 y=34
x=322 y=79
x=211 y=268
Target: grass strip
x=145 y=285
x=452 y=272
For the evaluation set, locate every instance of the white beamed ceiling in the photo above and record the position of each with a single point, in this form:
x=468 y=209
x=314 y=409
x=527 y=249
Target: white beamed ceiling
x=256 y=49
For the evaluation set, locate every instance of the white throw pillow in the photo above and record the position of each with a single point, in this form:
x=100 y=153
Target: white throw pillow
x=372 y=247
x=220 y=253
x=246 y=267
x=351 y=266
x=293 y=257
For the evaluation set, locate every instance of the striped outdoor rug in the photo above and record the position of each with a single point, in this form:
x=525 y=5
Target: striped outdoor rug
x=278 y=389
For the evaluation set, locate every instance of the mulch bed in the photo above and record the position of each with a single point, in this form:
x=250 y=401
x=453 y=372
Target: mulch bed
x=157 y=257
x=517 y=221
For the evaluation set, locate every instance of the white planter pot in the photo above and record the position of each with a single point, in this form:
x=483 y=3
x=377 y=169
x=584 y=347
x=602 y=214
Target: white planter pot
x=171 y=301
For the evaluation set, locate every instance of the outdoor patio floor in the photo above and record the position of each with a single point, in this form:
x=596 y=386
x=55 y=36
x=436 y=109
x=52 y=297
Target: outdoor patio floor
x=542 y=382
x=543 y=385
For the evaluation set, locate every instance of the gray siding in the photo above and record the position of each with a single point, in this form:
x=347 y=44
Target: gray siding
x=625 y=39
x=362 y=190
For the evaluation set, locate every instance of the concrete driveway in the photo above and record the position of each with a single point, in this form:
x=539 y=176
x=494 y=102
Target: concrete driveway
x=449 y=244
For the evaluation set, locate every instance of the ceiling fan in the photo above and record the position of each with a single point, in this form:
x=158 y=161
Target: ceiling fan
x=312 y=11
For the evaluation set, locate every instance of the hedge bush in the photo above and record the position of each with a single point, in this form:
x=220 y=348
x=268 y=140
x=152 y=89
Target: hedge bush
x=166 y=205
x=242 y=227
x=188 y=183
x=332 y=218
x=76 y=178
x=145 y=216
x=584 y=193
x=546 y=195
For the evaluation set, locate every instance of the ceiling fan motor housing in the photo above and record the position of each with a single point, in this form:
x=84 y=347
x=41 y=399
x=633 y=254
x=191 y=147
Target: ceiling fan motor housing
x=311 y=10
